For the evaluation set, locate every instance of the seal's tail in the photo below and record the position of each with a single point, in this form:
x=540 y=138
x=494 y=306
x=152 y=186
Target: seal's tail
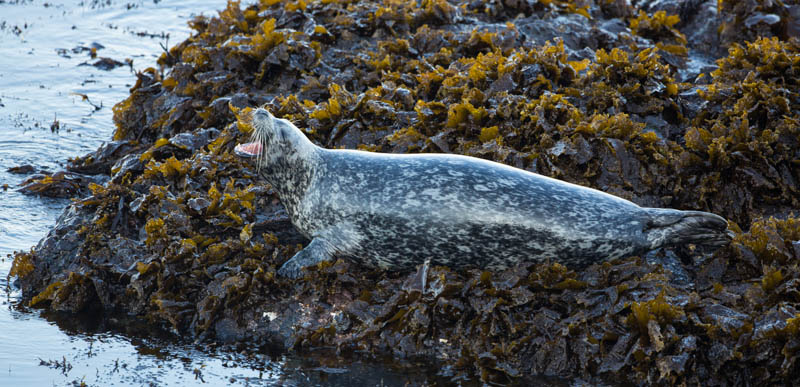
x=667 y=227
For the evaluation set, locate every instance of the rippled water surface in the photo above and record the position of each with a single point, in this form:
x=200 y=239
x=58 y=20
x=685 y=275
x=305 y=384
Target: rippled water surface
x=45 y=73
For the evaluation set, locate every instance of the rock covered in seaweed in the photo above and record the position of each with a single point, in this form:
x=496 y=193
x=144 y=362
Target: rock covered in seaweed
x=180 y=233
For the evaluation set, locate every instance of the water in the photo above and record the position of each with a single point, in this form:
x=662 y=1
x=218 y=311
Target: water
x=42 y=81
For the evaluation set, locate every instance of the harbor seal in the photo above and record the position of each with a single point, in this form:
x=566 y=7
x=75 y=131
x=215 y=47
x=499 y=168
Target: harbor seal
x=396 y=211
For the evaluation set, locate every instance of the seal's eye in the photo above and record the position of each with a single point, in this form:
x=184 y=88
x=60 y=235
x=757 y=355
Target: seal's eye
x=282 y=132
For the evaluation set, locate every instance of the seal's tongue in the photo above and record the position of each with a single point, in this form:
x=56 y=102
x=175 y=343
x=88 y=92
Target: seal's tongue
x=251 y=149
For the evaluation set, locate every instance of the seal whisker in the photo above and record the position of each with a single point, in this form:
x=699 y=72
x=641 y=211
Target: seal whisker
x=260 y=156
x=257 y=137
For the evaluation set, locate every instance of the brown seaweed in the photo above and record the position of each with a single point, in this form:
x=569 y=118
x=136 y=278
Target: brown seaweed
x=182 y=233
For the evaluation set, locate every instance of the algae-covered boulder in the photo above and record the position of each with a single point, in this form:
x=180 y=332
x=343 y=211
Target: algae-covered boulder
x=175 y=229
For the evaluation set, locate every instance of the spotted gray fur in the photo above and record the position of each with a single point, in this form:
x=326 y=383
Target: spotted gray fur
x=397 y=211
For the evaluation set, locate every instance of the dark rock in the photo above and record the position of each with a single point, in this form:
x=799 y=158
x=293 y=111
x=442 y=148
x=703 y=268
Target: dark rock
x=22 y=169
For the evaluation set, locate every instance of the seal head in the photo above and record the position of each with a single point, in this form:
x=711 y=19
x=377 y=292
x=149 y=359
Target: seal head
x=284 y=157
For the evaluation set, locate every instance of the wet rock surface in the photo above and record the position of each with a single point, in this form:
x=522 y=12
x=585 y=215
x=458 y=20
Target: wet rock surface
x=641 y=102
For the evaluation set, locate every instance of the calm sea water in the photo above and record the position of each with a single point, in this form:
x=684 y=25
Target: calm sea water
x=42 y=77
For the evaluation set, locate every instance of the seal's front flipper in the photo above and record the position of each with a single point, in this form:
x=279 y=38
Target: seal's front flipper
x=317 y=251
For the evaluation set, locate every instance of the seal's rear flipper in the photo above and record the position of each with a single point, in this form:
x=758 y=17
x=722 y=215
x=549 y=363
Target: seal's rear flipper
x=666 y=227
x=317 y=251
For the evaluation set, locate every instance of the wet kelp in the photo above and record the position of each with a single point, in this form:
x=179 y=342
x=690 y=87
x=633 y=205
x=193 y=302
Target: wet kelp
x=180 y=232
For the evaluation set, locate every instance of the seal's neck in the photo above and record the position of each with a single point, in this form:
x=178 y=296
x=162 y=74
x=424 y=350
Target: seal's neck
x=291 y=170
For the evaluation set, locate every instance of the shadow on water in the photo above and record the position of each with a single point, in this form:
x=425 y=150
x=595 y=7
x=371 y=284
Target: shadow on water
x=160 y=348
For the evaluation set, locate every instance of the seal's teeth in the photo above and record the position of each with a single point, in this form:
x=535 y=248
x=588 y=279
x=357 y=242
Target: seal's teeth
x=251 y=149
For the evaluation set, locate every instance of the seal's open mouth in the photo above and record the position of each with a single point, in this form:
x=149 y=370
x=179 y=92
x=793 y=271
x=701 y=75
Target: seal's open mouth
x=251 y=149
